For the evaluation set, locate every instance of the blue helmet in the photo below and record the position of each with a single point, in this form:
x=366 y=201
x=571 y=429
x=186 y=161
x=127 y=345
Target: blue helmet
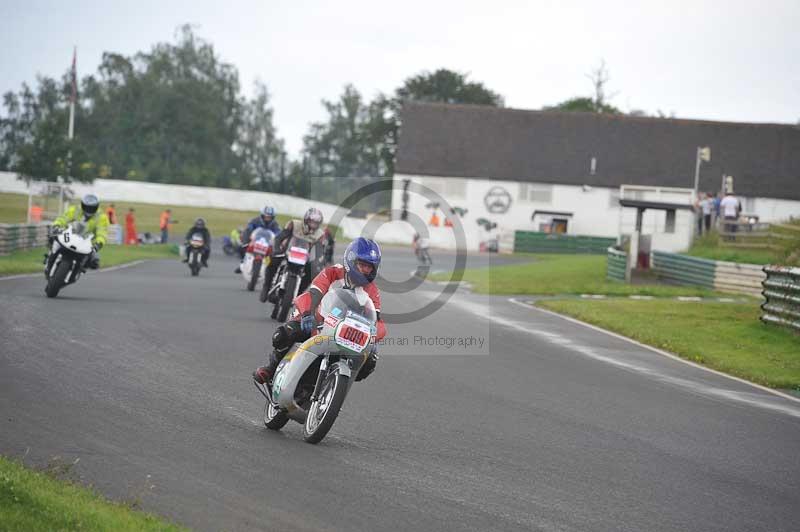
x=363 y=250
x=268 y=211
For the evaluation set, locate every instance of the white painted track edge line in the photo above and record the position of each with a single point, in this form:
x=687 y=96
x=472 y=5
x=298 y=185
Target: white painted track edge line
x=101 y=270
x=656 y=350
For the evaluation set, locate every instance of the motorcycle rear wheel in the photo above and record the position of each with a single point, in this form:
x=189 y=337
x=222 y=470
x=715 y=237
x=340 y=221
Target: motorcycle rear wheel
x=325 y=409
x=57 y=279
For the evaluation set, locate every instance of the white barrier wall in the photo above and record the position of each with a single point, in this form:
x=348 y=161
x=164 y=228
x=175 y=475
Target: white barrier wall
x=162 y=194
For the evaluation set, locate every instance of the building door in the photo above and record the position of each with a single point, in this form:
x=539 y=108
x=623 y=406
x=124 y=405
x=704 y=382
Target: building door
x=559 y=225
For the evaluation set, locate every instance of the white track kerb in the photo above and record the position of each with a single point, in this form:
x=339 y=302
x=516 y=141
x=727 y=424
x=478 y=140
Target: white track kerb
x=656 y=350
x=101 y=270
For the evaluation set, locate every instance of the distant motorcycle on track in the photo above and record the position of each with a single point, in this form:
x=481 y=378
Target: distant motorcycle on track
x=302 y=262
x=257 y=256
x=67 y=257
x=196 y=244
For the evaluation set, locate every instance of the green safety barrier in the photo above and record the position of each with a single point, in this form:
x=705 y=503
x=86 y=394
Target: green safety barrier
x=615 y=267
x=536 y=242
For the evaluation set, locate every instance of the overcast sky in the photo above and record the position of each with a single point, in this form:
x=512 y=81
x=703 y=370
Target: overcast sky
x=724 y=60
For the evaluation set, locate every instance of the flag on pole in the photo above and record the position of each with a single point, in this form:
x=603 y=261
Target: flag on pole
x=74 y=95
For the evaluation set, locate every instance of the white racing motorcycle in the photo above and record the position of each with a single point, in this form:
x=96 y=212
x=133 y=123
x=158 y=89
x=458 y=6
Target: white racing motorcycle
x=256 y=259
x=64 y=264
x=313 y=379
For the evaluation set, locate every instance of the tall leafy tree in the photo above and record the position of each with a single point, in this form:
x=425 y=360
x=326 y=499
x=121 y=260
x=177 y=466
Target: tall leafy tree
x=174 y=114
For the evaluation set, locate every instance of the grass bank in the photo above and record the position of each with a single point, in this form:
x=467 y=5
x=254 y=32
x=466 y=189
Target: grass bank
x=30 y=261
x=723 y=336
x=787 y=251
x=14 y=209
x=554 y=274
x=34 y=502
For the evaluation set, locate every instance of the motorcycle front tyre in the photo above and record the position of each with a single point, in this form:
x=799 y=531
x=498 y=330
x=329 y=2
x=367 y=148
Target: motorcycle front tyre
x=339 y=384
x=254 y=273
x=56 y=280
x=288 y=297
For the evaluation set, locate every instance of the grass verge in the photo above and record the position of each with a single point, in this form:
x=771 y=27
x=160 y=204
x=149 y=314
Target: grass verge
x=30 y=260
x=723 y=336
x=34 y=502
x=14 y=209
x=555 y=274
x=709 y=246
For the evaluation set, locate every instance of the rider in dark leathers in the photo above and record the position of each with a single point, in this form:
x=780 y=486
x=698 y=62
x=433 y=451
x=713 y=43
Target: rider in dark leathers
x=199 y=227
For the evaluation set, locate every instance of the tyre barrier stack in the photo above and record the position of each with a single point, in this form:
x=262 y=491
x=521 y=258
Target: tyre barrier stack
x=781 y=297
x=712 y=274
x=22 y=236
x=615 y=267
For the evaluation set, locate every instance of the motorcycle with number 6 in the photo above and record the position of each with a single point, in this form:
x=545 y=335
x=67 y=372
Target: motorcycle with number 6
x=313 y=379
x=68 y=254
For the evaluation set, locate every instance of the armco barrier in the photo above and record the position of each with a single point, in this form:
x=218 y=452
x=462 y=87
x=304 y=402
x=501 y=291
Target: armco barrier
x=22 y=236
x=712 y=274
x=615 y=270
x=782 y=296
x=683 y=269
x=535 y=242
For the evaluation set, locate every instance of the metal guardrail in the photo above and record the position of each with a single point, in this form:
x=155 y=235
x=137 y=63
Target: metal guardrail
x=712 y=274
x=537 y=242
x=615 y=266
x=782 y=297
x=683 y=269
x=22 y=236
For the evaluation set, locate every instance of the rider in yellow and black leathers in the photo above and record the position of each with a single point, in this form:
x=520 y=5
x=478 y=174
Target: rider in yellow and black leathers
x=96 y=224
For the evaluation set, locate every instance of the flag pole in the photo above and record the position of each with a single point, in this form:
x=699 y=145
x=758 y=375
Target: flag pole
x=72 y=97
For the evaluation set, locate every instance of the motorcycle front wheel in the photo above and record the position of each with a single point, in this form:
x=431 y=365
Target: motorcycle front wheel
x=274 y=419
x=56 y=280
x=254 y=273
x=288 y=297
x=264 y=290
x=325 y=409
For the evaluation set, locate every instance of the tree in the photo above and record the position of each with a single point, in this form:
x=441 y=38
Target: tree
x=174 y=114
x=446 y=86
x=262 y=152
x=598 y=103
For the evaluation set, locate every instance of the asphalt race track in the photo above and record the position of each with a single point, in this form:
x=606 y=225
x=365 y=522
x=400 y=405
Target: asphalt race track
x=144 y=375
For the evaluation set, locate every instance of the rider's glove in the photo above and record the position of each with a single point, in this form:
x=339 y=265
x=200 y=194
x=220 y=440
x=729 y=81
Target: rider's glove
x=55 y=230
x=307 y=323
x=97 y=246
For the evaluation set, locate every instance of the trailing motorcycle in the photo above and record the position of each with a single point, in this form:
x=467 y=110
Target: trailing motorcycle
x=313 y=379
x=256 y=258
x=302 y=262
x=196 y=244
x=68 y=254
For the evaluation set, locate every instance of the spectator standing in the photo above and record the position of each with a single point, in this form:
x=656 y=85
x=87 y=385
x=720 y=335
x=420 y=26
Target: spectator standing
x=163 y=224
x=717 y=201
x=704 y=206
x=730 y=208
x=130 y=228
x=112 y=214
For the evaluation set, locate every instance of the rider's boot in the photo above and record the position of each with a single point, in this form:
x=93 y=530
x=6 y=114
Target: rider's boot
x=264 y=374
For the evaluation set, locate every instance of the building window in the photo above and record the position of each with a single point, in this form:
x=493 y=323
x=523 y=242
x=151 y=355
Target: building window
x=434 y=184
x=535 y=193
x=669 y=223
x=455 y=188
x=613 y=200
x=749 y=206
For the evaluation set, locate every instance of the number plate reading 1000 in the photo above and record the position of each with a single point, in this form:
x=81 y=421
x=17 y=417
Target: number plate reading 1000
x=353 y=335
